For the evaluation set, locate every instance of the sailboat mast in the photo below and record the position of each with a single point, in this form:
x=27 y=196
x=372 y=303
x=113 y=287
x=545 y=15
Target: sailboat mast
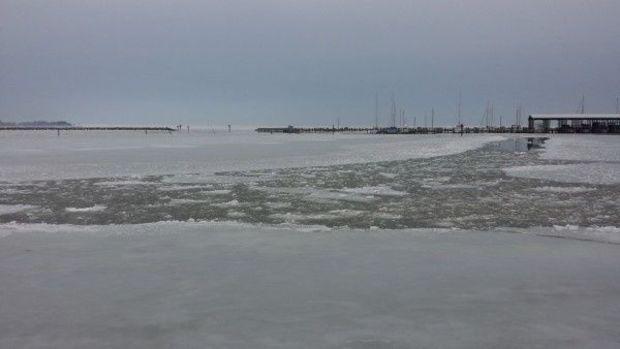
x=459 y=110
x=393 y=112
x=376 y=110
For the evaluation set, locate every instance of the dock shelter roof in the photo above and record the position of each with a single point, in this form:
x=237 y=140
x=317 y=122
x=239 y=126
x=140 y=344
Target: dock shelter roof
x=575 y=116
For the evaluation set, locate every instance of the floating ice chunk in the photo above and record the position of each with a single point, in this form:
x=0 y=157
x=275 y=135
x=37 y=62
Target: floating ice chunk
x=293 y=217
x=288 y=217
x=323 y=195
x=582 y=147
x=13 y=191
x=311 y=228
x=122 y=183
x=184 y=187
x=591 y=173
x=95 y=208
x=347 y=213
x=8 y=209
x=385 y=215
x=231 y=203
x=235 y=214
x=377 y=190
x=321 y=216
x=563 y=189
x=176 y=202
x=437 y=186
x=278 y=205
x=216 y=192
x=388 y=175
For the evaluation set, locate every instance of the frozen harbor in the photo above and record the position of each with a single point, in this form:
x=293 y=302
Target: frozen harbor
x=344 y=181
x=308 y=241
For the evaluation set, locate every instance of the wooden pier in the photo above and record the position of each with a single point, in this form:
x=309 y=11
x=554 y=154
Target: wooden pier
x=86 y=128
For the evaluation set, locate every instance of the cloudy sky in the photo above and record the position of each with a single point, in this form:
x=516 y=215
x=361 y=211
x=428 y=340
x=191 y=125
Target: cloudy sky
x=269 y=62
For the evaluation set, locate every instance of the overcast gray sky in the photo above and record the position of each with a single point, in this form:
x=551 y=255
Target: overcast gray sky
x=303 y=62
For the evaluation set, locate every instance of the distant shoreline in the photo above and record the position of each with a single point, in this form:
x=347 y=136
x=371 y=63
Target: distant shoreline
x=36 y=124
x=78 y=128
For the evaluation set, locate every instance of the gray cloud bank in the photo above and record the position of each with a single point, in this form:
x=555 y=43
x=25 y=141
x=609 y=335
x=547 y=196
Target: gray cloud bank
x=302 y=62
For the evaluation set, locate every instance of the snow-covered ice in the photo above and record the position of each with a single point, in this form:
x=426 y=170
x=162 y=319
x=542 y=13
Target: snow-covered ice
x=583 y=147
x=589 y=173
x=522 y=259
x=548 y=189
x=601 y=154
x=219 y=285
x=89 y=154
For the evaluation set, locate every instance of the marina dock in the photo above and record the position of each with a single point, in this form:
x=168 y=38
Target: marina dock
x=393 y=130
x=537 y=123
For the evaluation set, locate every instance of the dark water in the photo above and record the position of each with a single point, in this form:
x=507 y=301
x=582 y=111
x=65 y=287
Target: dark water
x=467 y=190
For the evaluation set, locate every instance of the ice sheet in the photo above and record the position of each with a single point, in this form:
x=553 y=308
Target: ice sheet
x=583 y=147
x=218 y=285
x=600 y=154
x=42 y=155
x=589 y=173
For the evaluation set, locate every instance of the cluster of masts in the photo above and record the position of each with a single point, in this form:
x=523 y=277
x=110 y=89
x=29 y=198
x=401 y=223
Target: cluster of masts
x=582 y=105
x=179 y=128
x=489 y=119
x=399 y=120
